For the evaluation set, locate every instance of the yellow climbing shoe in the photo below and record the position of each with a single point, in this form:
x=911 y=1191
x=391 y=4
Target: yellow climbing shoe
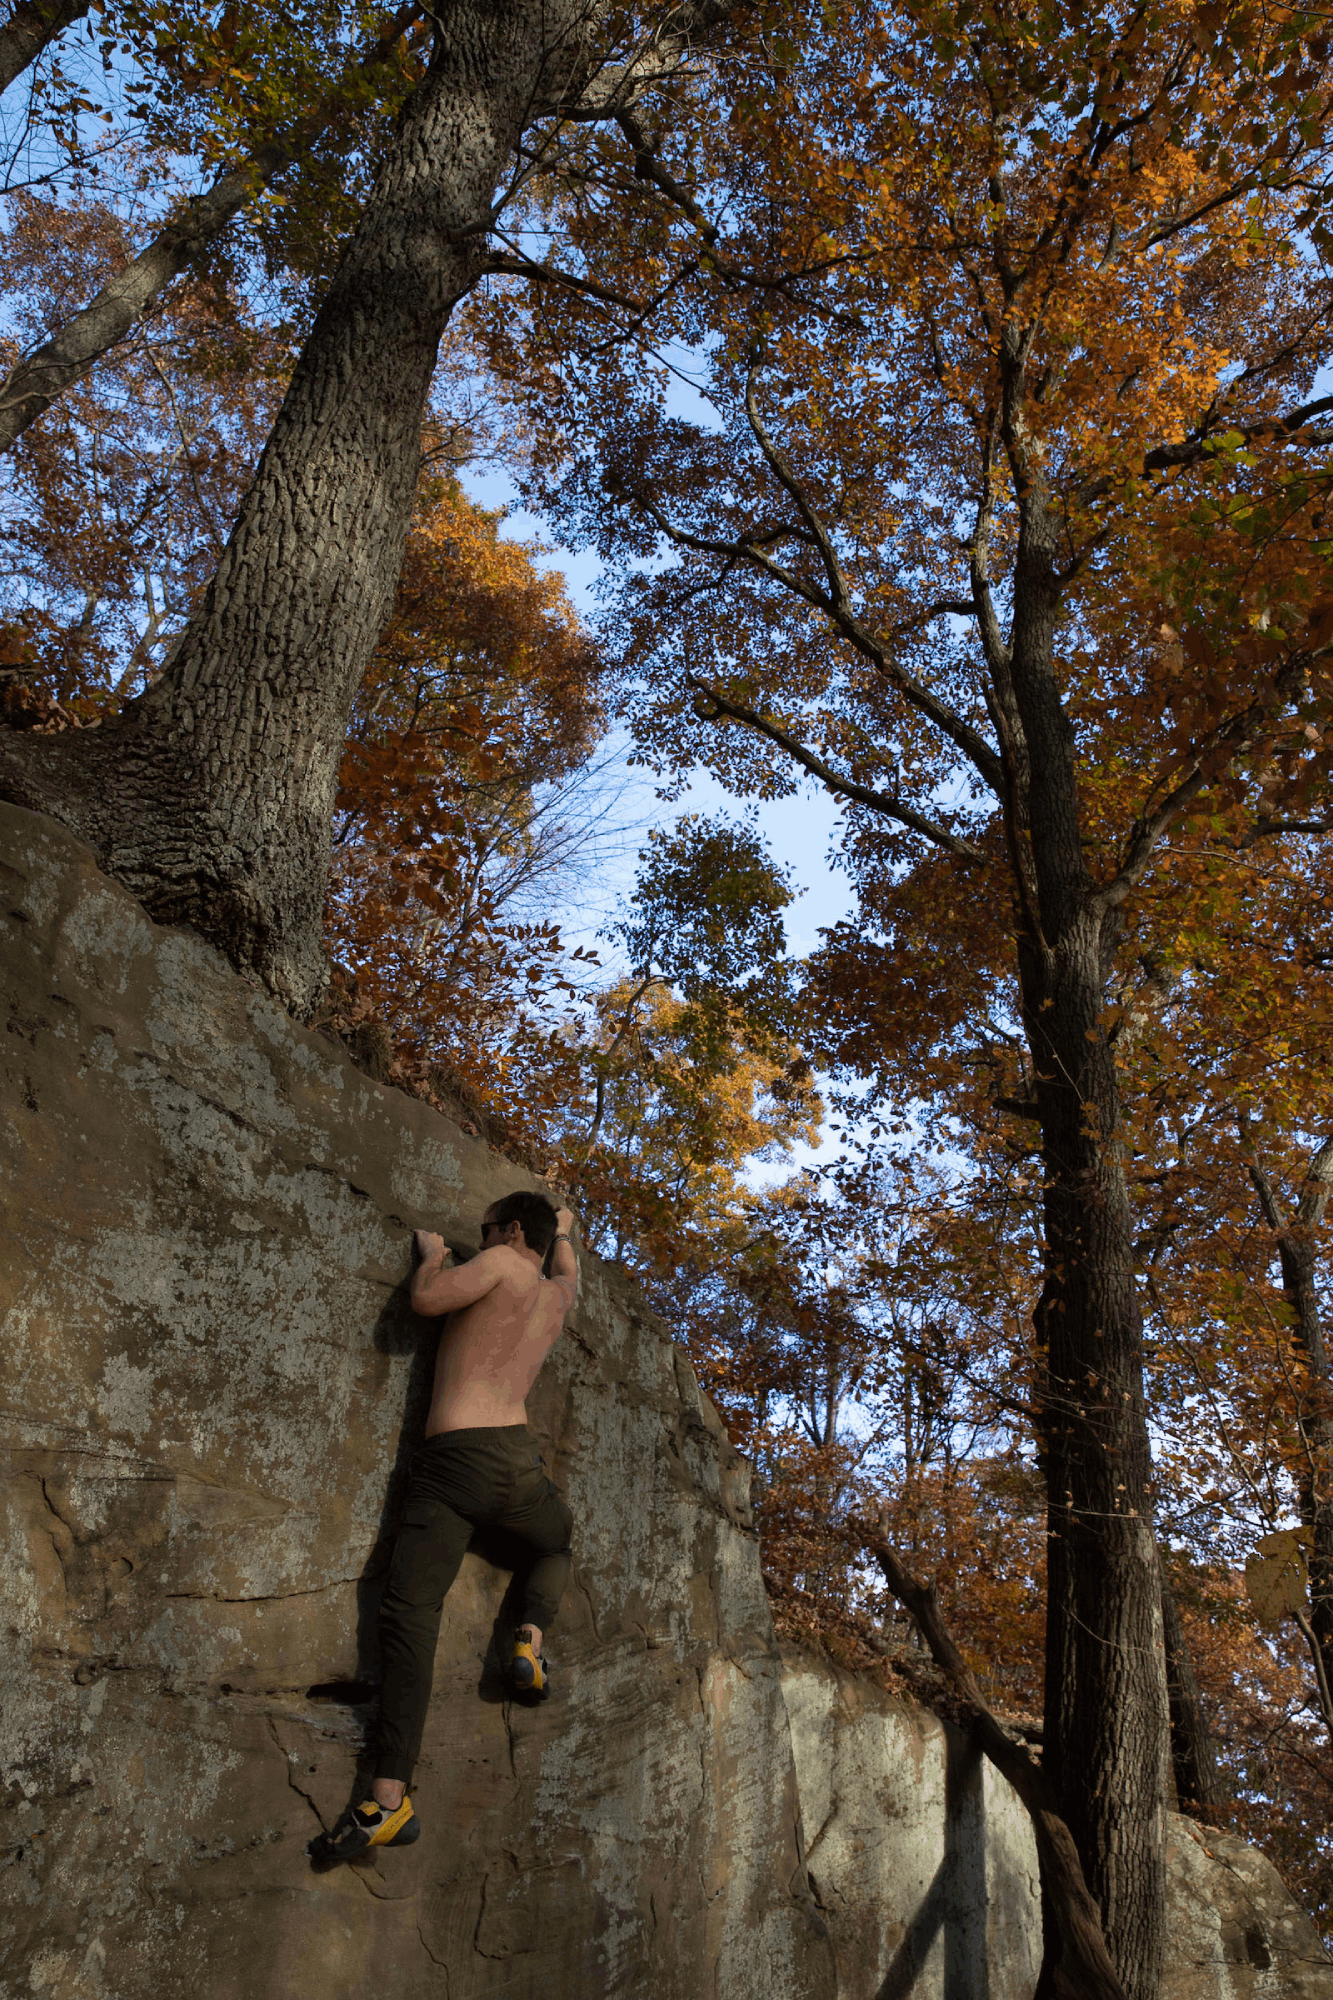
x=365 y=1826
x=530 y=1672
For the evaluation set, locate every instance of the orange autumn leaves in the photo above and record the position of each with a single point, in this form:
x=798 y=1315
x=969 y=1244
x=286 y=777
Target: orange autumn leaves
x=482 y=690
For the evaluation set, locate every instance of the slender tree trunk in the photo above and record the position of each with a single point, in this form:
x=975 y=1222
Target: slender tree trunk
x=31 y=27
x=211 y=795
x=1192 y=1755
x=1105 y=1738
x=39 y=378
x=1314 y=1413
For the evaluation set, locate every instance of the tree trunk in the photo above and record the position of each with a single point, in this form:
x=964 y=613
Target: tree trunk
x=1314 y=1411
x=30 y=28
x=1192 y=1757
x=211 y=795
x=1106 y=1708
x=1075 y=1962
x=37 y=379
x=1105 y=1738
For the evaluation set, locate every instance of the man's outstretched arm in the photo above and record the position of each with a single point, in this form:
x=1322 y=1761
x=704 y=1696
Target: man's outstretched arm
x=564 y=1264
x=441 y=1286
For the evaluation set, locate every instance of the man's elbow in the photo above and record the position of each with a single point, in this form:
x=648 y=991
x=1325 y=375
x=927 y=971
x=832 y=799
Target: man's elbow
x=422 y=1295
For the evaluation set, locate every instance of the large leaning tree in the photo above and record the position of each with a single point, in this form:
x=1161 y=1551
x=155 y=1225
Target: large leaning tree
x=995 y=501
x=210 y=795
x=278 y=111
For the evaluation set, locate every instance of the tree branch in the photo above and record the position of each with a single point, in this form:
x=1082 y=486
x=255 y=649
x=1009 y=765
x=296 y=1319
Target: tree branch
x=710 y=706
x=1193 y=449
x=609 y=91
x=969 y=740
x=36 y=380
x=648 y=167
x=1210 y=758
x=30 y=28
x=1307 y=1633
x=1266 y=829
x=503 y=264
x=839 y=595
x=1315 y=1193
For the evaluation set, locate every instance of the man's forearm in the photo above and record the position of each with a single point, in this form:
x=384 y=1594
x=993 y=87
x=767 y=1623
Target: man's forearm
x=422 y=1279
x=434 y=1259
x=564 y=1264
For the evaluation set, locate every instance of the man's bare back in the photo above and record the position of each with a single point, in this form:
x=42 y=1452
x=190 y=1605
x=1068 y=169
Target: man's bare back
x=504 y=1318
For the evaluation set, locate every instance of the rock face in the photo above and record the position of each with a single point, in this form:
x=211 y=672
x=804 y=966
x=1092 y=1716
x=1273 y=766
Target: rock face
x=920 y=1856
x=212 y=1378
x=924 y=1867
x=212 y=1382
x=1236 y=1931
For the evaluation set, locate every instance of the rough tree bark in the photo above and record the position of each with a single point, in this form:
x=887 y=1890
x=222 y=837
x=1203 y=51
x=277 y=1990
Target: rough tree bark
x=31 y=27
x=1193 y=1759
x=37 y=379
x=210 y=795
x=1105 y=1740
x=1295 y=1236
x=1105 y=1727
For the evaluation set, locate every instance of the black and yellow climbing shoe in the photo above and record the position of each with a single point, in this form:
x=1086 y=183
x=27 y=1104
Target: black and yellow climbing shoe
x=365 y=1826
x=530 y=1672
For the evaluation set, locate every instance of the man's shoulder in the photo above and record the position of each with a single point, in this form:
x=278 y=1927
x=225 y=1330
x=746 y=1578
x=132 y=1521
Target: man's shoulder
x=513 y=1269
x=564 y=1289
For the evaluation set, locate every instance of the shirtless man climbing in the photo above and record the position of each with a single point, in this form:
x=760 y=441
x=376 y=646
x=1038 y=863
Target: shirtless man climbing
x=478 y=1464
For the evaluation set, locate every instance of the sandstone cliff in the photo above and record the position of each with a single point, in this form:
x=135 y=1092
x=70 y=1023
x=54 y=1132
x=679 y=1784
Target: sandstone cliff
x=211 y=1381
x=211 y=1377
x=925 y=1869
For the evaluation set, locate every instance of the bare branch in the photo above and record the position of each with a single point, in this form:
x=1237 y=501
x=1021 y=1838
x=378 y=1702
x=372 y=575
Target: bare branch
x=839 y=595
x=1265 y=829
x=1018 y=1107
x=502 y=264
x=648 y=167
x=1321 y=1677
x=873 y=648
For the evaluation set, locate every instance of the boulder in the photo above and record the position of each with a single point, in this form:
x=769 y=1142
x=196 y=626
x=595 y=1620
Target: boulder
x=1236 y=1932
x=923 y=1865
x=212 y=1381
x=920 y=1857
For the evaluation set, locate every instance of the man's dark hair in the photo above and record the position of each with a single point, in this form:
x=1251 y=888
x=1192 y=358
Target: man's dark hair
x=533 y=1211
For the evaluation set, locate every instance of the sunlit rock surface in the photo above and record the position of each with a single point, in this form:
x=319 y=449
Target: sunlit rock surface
x=212 y=1378
x=1235 y=1932
x=925 y=1870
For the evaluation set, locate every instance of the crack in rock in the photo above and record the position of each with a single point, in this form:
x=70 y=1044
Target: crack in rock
x=260 y=1597
x=291 y=1769
x=442 y=1963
